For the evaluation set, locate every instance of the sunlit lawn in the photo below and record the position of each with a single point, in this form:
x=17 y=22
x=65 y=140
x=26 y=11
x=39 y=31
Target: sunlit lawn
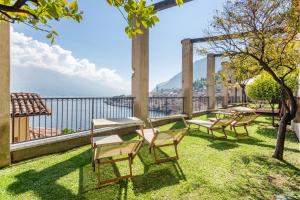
x=207 y=169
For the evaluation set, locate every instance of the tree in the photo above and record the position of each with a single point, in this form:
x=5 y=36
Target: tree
x=239 y=71
x=199 y=84
x=264 y=87
x=265 y=32
x=38 y=13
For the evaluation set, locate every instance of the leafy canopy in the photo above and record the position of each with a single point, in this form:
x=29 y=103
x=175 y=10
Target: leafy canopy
x=239 y=70
x=262 y=31
x=39 y=13
x=264 y=87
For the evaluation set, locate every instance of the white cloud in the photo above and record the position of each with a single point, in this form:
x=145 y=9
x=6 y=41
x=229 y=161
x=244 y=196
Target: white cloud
x=27 y=52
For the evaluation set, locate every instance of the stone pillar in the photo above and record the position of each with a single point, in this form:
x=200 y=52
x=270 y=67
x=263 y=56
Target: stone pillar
x=224 y=88
x=211 y=91
x=239 y=93
x=296 y=121
x=187 y=76
x=140 y=74
x=4 y=94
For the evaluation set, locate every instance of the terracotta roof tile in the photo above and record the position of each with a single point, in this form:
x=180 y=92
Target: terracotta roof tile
x=27 y=104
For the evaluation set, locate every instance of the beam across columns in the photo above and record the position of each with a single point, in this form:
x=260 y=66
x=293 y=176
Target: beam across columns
x=4 y=94
x=140 y=74
x=210 y=78
x=187 y=76
x=165 y=4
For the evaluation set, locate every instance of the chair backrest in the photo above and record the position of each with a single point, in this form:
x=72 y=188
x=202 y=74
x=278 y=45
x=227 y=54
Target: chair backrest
x=177 y=134
x=130 y=147
x=219 y=123
x=246 y=118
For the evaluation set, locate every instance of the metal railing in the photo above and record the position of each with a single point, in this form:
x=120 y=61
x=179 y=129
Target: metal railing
x=234 y=99
x=219 y=101
x=68 y=115
x=200 y=103
x=74 y=114
x=164 y=106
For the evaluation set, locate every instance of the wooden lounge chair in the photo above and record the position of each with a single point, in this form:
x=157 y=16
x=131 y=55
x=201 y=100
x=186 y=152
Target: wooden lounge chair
x=243 y=120
x=110 y=147
x=218 y=124
x=156 y=139
x=113 y=146
x=110 y=123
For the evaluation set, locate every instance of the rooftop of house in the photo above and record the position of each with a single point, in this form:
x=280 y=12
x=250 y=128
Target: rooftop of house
x=27 y=104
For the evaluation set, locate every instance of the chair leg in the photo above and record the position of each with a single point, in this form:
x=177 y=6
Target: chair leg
x=98 y=171
x=93 y=161
x=176 y=151
x=223 y=129
x=208 y=131
x=212 y=133
x=130 y=167
x=235 y=131
x=245 y=127
x=94 y=166
x=154 y=153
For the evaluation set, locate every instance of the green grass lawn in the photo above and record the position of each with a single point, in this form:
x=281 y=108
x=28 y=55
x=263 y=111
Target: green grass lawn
x=236 y=168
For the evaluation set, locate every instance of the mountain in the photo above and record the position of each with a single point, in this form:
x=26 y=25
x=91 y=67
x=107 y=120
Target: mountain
x=51 y=83
x=200 y=71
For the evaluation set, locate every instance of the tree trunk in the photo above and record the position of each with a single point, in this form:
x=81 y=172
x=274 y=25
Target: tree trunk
x=289 y=114
x=243 y=86
x=273 y=114
x=287 y=117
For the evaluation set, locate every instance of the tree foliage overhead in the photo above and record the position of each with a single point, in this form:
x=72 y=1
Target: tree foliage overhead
x=38 y=13
x=239 y=70
x=264 y=32
x=264 y=87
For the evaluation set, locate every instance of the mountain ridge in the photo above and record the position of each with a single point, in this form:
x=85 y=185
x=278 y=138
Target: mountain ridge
x=200 y=70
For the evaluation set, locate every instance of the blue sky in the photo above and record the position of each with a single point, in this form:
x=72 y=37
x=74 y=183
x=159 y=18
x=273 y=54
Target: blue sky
x=101 y=39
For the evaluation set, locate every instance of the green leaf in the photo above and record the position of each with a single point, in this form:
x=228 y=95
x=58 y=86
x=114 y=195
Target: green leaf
x=73 y=4
x=49 y=35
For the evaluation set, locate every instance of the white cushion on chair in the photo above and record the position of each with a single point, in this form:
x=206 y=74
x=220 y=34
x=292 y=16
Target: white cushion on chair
x=106 y=139
x=200 y=122
x=147 y=134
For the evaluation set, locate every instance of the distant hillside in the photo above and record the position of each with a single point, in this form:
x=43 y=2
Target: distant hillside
x=50 y=83
x=199 y=72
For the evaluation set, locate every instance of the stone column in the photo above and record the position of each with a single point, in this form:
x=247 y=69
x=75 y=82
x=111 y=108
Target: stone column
x=4 y=94
x=224 y=88
x=211 y=91
x=296 y=121
x=140 y=74
x=187 y=76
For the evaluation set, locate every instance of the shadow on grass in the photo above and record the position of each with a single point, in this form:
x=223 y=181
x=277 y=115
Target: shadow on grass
x=233 y=143
x=156 y=176
x=271 y=132
x=265 y=178
x=177 y=125
x=88 y=183
x=45 y=184
x=221 y=146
